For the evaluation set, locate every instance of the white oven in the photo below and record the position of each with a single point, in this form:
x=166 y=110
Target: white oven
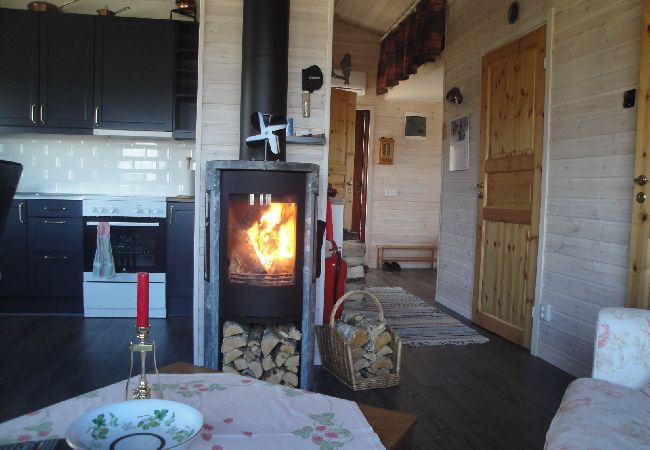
x=138 y=244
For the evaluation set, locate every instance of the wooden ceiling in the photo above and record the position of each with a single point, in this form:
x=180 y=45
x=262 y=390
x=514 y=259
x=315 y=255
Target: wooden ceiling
x=376 y=16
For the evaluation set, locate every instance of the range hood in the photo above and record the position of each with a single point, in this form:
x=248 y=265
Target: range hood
x=132 y=133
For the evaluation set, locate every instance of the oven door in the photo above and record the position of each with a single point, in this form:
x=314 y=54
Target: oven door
x=138 y=244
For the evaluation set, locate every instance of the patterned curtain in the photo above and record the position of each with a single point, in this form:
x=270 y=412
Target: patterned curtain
x=418 y=39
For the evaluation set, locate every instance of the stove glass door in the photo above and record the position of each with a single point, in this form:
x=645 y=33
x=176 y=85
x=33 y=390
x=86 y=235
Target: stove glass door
x=138 y=244
x=261 y=239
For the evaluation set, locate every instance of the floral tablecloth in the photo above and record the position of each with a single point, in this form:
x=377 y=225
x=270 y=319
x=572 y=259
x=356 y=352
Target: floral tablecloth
x=238 y=412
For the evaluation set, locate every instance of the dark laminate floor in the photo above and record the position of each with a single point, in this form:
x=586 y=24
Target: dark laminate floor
x=489 y=396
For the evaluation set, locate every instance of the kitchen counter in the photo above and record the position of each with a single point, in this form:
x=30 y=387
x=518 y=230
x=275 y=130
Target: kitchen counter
x=181 y=198
x=63 y=196
x=43 y=196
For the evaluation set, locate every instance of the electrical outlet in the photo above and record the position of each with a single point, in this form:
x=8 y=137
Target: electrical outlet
x=629 y=98
x=545 y=313
x=390 y=192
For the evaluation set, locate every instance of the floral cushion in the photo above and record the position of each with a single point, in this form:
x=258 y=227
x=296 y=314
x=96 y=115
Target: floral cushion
x=599 y=415
x=622 y=353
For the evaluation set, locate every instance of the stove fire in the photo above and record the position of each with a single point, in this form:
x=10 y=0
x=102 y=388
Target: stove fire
x=261 y=240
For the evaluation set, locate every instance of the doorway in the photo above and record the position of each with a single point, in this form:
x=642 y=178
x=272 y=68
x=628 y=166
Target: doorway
x=508 y=188
x=360 y=175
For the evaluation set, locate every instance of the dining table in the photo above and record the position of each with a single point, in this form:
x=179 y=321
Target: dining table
x=238 y=413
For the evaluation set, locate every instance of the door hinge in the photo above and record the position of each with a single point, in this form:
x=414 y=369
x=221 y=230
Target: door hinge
x=545 y=63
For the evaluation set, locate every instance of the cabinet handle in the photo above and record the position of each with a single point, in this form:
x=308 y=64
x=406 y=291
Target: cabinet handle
x=42 y=114
x=47 y=208
x=20 y=212
x=60 y=222
x=171 y=215
x=54 y=258
x=32 y=113
x=97 y=115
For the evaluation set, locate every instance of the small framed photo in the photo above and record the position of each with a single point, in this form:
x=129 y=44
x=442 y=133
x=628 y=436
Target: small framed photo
x=415 y=126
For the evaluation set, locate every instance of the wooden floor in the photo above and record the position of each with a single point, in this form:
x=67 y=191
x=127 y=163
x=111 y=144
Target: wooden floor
x=479 y=396
x=487 y=396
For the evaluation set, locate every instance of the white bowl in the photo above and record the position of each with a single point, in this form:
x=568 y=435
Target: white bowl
x=135 y=425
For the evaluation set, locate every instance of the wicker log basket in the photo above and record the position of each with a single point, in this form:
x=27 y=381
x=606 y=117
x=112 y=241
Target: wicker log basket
x=336 y=354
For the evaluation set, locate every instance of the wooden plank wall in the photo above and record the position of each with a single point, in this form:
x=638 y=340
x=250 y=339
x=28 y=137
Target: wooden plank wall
x=594 y=58
x=309 y=43
x=412 y=217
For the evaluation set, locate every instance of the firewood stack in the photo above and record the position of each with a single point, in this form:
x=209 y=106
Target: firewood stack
x=370 y=343
x=266 y=352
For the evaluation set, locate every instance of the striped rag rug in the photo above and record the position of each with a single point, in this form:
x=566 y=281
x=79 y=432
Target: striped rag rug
x=417 y=323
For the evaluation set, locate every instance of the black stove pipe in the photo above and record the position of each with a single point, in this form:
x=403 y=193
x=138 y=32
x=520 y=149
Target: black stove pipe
x=265 y=63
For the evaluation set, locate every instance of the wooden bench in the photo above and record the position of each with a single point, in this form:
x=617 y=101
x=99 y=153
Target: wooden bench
x=429 y=257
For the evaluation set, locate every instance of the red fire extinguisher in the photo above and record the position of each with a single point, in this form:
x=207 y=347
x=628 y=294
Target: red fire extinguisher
x=336 y=270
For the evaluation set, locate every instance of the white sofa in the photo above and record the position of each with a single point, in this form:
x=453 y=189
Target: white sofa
x=611 y=410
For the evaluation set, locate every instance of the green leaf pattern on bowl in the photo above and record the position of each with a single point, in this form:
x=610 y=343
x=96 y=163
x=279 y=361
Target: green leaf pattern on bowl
x=102 y=425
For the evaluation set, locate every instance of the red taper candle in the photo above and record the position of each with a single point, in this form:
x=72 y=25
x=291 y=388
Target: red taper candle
x=143 y=300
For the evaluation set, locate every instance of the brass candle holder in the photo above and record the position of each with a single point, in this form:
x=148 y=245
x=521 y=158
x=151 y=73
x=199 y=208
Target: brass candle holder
x=143 y=389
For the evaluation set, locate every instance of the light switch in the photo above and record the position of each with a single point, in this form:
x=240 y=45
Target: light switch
x=390 y=192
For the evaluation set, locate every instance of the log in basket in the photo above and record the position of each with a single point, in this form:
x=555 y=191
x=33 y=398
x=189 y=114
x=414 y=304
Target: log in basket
x=336 y=353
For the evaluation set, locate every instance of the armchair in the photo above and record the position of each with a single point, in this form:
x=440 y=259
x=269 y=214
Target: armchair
x=611 y=410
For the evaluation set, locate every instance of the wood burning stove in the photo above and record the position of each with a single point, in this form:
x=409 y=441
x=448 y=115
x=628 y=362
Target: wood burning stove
x=260 y=251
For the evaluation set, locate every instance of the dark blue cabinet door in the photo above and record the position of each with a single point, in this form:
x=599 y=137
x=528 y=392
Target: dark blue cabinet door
x=134 y=73
x=13 y=253
x=66 y=72
x=19 y=102
x=55 y=235
x=56 y=275
x=180 y=257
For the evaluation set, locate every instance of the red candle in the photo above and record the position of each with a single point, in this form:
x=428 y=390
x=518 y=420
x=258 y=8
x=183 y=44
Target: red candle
x=143 y=300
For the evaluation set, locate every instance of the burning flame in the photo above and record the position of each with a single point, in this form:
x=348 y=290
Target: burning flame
x=273 y=237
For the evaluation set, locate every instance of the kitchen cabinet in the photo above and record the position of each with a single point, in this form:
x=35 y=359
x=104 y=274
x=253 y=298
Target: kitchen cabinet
x=186 y=79
x=180 y=257
x=66 y=71
x=134 y=74
x=13 y=252
x=19 y=75
x=47 y=78
x=54 y=246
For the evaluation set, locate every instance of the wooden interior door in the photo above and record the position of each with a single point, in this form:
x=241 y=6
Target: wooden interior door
x=341 y=153
x=511 y=139
x=638 y=287
x=360 y=178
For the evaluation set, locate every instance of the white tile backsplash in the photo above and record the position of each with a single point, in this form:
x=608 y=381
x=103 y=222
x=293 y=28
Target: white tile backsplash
x=99 y=165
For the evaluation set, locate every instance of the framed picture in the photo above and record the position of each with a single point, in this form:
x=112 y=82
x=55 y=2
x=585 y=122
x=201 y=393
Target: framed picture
x=459 y=145
x=415 y=126
x=385 y=150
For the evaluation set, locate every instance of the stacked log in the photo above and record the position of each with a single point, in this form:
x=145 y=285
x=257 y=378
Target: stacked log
x=266 y=352
x=354 y=254
x=370 y=341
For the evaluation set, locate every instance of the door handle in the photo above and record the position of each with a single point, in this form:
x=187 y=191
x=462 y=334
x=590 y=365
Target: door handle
x=32 y=113
x=54 y=258
x=640 y=197
x=58 y=222
x=171 y=215
x=97 y=116
x=20 y=212
x=42 y=114
x=46 y=208
x=641 y=180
